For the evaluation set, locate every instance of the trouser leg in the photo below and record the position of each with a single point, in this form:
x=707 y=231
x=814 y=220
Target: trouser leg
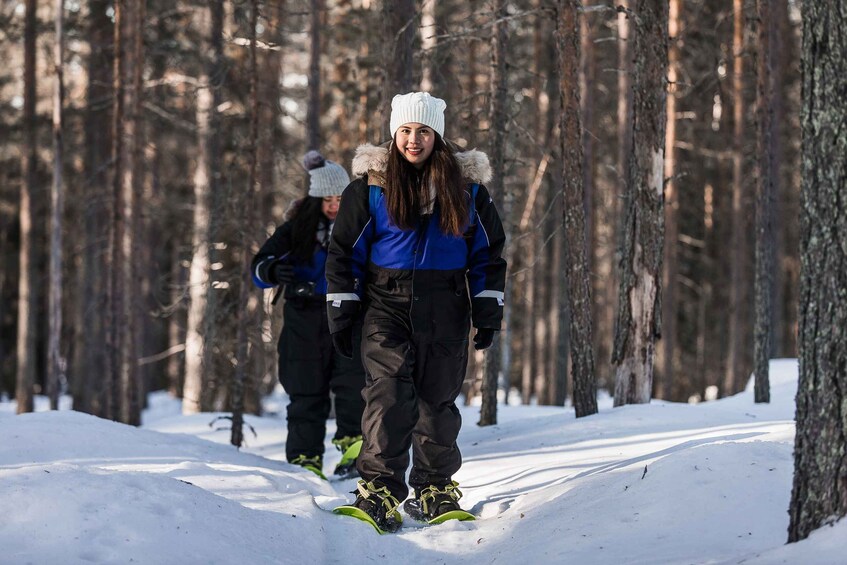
x=304 y=373
x=390 y=410
x=348 y=379
x=436 y=455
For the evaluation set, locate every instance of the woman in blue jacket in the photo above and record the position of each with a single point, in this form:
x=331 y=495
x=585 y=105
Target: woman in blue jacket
x=294 y=257
x=416 y=250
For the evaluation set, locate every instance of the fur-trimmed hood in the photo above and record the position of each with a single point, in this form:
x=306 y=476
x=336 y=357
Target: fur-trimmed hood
x=292 y=209
x=372 y=160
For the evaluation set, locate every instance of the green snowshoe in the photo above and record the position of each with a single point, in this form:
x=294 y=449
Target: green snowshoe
x=350 y=448
x=435 y=505
x=314 y=464
x=374 y=505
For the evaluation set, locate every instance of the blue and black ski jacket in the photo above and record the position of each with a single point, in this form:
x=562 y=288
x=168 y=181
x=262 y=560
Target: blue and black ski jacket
x=365 y=244
x=278 y=248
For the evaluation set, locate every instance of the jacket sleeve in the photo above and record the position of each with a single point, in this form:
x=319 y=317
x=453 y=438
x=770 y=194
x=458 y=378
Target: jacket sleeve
x=349 y=248
x=486 y=266
x=277 y=247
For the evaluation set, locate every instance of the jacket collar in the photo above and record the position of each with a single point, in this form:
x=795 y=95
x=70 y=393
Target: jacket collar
x=372 y=160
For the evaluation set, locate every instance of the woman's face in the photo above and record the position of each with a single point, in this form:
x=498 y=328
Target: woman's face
x=329 y=206
x=415 y=142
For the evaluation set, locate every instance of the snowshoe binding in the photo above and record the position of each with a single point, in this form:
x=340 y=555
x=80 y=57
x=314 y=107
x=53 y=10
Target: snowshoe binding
x=374 y=505
x=314 y=464
x=349 y=446
x=435 y=505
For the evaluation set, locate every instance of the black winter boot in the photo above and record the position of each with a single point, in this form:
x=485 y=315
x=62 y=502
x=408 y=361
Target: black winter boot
x=374 y=505
x=314 y=464
x=436 y=504
x=349 y=446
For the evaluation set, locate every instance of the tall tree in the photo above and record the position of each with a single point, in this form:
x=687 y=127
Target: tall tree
x=54 y=365
x=132 y=388
x=27 y=302
x=122 y=368
x=496 y=357
x=245 y=315
x=114 y=298
x=819 y=494
x=88 y=321
x=733 y=376
x=576 y=261
x=218 y=71
x=313 y=106
x=639 y=296
x=400 y=30
x=611 y=211
x=671 y=265
x=200 y=269
x=428 y=44
x=764 y=282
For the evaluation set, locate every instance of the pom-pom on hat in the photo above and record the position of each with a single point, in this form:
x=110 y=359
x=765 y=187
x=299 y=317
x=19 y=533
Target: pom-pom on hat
x=420 y=107
x=325 y=177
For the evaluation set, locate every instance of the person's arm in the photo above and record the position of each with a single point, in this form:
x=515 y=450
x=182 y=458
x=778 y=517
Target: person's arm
x=486 y=266
x=347 y=258
x=273 y=252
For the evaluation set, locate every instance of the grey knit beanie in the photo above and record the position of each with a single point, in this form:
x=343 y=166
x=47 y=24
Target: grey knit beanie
x=417 y=107
x=325 y=177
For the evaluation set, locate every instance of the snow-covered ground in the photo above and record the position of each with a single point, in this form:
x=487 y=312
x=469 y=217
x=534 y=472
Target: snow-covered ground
x=661 y=483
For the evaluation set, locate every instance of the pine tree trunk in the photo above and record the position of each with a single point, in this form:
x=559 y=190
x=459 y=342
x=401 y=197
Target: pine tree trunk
x=587 y=79
x=497 y=357
x=733 y=378
x=782 y=304
x=87 y=366
x=576 y=261
x=399 y=18
x=428 y=45
x=199 y=271
x=27 y=304
x=669 y=306
x=245 y=315
x=819 y=494
x=133 y=385
x=560 y=320
x=54 y=353
x=195 y=389
x=612 y=221
x=313 y=106
x=764 y=206
x=639 y=297
x=176 y=329
x=528 y=373
x=538 y=222
x=114 y=298
x=122 y=368
x=217 y=77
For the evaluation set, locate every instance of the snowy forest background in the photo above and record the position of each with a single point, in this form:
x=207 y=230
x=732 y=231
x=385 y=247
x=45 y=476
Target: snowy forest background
x=194 y=218
x=147 y=147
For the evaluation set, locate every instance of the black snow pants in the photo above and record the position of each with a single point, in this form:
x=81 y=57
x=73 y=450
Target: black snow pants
x=309 y=368
x=415 y=352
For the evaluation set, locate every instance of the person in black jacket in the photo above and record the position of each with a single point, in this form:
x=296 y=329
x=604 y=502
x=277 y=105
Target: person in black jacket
x=417 y=250
x=294 y=257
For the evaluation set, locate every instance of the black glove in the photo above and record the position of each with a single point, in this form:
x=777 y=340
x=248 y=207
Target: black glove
x=281 y=273
x=342 y=340
x=483 y=338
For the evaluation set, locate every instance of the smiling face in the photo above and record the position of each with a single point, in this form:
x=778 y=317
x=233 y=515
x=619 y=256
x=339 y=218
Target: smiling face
x=415 y=142
x=329 y=206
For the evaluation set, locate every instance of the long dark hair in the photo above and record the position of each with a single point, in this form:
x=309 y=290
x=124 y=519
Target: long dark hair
x=304 y=226
x=407 y=189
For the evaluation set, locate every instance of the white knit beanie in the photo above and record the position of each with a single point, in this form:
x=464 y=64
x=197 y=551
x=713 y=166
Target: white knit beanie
x=325 y=177
x=420 y=107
